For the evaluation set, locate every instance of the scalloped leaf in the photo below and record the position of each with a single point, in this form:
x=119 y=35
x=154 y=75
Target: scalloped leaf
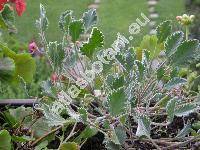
x=117 y=101
x=64 y=21
x=121 y=134
x=174 y=82
x=185 y=131
x=172 y=42
x=185 y=53
x=164 y=30
x=85 y=134
x=115 y=82
x=170 y=109
x=185 y=110
x=75 y=29
x=143 y=128
x=89 y=19
x=95 y=41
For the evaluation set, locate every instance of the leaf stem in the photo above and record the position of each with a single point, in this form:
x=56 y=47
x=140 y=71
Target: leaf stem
x=186 y=32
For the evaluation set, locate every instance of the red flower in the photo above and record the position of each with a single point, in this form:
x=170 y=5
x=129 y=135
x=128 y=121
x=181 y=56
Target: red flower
x=2 y=3
x=20 y=6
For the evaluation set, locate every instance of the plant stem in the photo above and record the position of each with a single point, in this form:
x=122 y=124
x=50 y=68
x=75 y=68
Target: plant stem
x=71 y=133
x=182 y=143
x=186 y=32
x=44 y=136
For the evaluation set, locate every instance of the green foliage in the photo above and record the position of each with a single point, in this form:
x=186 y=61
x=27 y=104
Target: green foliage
x=116 y=102
x=164 y=30
x=7 y=68
x=170 y=109
x=89 y=19
x=56 y=54
x=131 y=93
x=24 y=65
x=185 y=52
x=173 y=42
x=5 y=140
x=75 y=29
x=64 y=21
x=151 y=44
x=143 y=128
x=174 y=82
x=94 y=42
x=69 y=146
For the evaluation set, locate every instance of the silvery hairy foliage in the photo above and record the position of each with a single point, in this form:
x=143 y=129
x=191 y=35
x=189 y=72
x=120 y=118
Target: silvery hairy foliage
x=137 y=91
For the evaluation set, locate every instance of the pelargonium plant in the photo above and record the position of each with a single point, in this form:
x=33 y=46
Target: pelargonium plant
x=120 y=91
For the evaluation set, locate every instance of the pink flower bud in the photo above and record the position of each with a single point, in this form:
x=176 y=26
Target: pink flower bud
x=33 y=47
x=54 y=77
x=178 y=18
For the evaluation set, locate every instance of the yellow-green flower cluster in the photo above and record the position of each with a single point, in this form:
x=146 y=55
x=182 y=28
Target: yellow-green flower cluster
x=185 y=19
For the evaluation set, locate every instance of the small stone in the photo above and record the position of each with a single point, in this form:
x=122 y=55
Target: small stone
x=153 y=31
x=152 y=3
x=97 y=1
x=153 y=15
x=94 y=6
x=152 y=24
x=151 y=9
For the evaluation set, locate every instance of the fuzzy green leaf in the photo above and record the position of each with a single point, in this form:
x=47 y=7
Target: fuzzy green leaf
x=172 y=42
x=121 y=134
x=150 y=43
x=160 y=73
x=75 y=29
x=170 y=109
x=56 y=54
x=175 y=82
x=164 y=30
x=143 y=128
x=185 y=131
x=86 y=133
x=95 y=41
x=83 y=114
x=185 y=53
x=112 y=146
x=69 y=146
x=5 y=140
x=115 y=82
x=116 y=102
x=185 y=110
x=23 y=138
x=89 y=19
x=141 y=69
x=64 y=21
